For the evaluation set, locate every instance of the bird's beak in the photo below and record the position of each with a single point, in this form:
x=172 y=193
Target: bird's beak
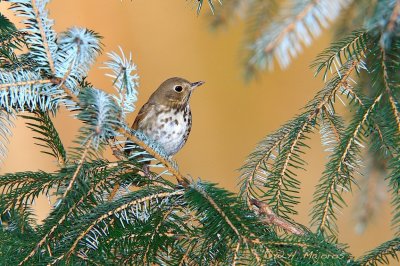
x=196 y=84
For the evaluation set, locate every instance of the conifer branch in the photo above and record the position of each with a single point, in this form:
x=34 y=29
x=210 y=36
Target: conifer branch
x=298 y=25
x=78 y=168
x=49 y=136
x=335 y=130
x=218 y=209
x=334 y=175
x=24 y=83
x=112 y=212
x=256 y=162
x=293 y=133
x=303 y=127
x=291 y=26
x=393 y=17
x=352 y=46
x=353 y=94
x=71 y=209
x=185 y=256
x=40 y=25
x=268 y=217
x=376 y=126
x=380 y=253
x=19 y=188
x=235 y=255
x=386 y=85
x=152 y=236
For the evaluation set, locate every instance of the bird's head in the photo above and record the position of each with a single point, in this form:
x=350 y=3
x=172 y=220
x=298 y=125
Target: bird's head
x=174 y=92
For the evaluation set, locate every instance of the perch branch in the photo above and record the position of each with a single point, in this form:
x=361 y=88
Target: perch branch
x=267 y=216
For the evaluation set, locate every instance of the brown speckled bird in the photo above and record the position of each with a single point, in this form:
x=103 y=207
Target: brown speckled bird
x=166 y=117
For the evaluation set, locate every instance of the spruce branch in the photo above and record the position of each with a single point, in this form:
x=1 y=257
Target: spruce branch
x=5 y=132
x=333 y=58
x=49 y=137
x=389 y=87
x=270 y=218
x=276 y=175
x=253 y=174
x=201 y=191
x=24 y=89
x=331 y=129
x=38 y=12
x=6 y=25
x=11 y=41
x=381 y=253
x=23 y=188
x=393 y=17
x=109 y=171
x=128 y=204
x=338 y=174
x=41 y=37
x=235 y=255
x=23 y=83
x=297 y=26
x=78 y=168
x=153 y=234
x=125 y=82
x=78 y=49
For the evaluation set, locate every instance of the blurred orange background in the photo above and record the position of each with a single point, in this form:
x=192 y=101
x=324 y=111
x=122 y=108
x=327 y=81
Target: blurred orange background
x=230 y=117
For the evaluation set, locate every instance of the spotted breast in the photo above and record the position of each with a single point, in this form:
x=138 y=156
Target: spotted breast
x=169 y=127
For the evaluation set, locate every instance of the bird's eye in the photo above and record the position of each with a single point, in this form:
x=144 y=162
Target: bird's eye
x=178 y=88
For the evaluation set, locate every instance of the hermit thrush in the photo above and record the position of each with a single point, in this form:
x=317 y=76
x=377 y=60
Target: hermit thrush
x=166 y=117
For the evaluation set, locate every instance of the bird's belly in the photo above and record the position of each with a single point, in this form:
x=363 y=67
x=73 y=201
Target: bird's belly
x=170 y=131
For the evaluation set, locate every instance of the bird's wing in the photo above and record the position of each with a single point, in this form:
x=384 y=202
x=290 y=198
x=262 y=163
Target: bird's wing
x=143 y=114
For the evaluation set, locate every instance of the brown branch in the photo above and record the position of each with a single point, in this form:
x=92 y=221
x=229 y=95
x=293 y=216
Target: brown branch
x=80 y=164
x=24 y=83
x=113 y=192
x=393 y=17
x=388 y=89
x=67 y=91
x=186 y=255
x=347 y=87
x=43 y=35
x=268 y=217
x=235 y=255
x=119 y=156
x=334 y=129
x=218 y=209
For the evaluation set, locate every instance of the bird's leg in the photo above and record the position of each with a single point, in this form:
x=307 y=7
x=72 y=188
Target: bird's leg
x=147 y=172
